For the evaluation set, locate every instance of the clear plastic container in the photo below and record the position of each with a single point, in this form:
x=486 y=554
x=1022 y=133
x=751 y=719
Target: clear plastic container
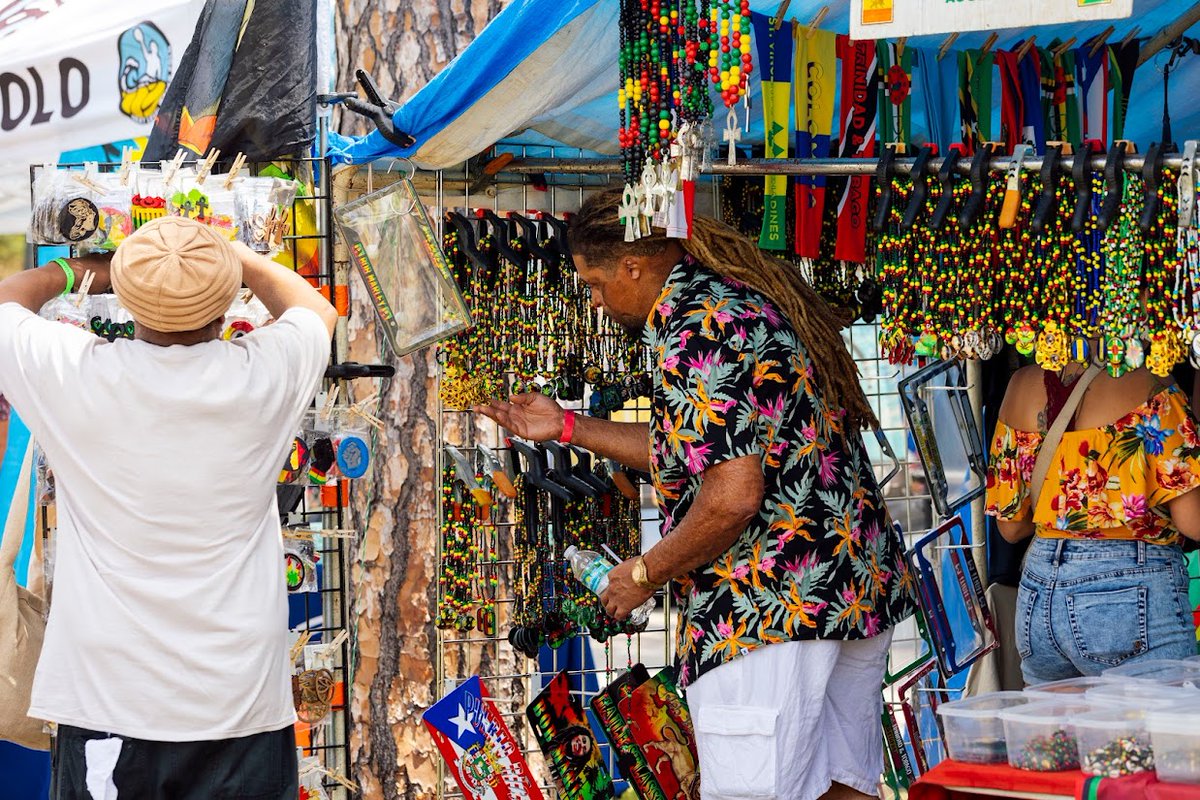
x=1113 y=741
x=1166 y=671
x=974 y=732
x=1069 y=689
x=1040 y=735
x=1175 y=736
x=1138 y=694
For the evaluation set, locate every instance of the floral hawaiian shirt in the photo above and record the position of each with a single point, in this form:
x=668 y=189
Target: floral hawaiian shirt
x=821 y=560
x=1112 y=482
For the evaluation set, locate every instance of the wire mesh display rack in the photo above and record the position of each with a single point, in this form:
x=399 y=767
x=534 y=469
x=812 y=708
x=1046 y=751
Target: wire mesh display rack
x=517 y=680
x=323 y=613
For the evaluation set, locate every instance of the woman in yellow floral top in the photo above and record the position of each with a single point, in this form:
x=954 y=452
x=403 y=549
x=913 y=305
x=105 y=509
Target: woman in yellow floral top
x=1104 y=581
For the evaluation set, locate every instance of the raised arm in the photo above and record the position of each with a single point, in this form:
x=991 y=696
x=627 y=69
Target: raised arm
x=33 y=288
x=280 y=288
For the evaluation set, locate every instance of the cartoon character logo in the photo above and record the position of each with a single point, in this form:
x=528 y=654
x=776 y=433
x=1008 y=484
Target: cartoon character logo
x=145 y=57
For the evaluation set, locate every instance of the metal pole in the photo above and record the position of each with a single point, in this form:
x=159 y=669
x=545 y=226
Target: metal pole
x=1169 y=34
x=816 y=166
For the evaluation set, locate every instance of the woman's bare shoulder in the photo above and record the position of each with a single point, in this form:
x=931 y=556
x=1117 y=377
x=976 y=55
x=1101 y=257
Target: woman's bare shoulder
x=1024 y=405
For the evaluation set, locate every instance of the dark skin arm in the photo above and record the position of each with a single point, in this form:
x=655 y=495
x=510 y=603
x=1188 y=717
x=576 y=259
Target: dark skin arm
x=730 y=496
x=540 y=419
x=33 y=288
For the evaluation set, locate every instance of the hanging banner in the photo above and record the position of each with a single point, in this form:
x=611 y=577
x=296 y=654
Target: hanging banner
x=73 y=78
x=889 y=19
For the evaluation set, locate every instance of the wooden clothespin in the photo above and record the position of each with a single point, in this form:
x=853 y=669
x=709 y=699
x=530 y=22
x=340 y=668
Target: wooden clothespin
x=901 y=43
x=239 y=161
x=84 y=287
x=299 y=646
x=1099 y=41
x=172 y=167
x=85 y=177
x=1024 y=49
x=945 y=48
x=126 y=164
x=1129 y=37
x=816 y=22
x=335 y=643
x=777 y=20
x=206 y=165
x=989 y=44
x=337 y=777
x=1064 y=47
x=331 y=401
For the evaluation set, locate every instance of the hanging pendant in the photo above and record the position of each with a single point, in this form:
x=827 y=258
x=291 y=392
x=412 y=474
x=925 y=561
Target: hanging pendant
x=1135 y=354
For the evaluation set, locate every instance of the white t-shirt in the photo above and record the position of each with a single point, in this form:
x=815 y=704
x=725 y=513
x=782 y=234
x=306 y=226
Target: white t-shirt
x=169 y=615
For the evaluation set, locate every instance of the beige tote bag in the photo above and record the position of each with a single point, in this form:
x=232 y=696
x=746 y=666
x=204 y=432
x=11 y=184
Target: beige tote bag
x=22 y=627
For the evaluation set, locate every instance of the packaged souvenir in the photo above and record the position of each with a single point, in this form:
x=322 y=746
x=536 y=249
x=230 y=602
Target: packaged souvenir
x=65 y=209
x=264 y=212
x=300 y=565
x=209 y=201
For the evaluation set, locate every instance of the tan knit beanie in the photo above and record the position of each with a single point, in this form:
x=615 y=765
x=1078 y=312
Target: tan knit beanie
x=176 y=274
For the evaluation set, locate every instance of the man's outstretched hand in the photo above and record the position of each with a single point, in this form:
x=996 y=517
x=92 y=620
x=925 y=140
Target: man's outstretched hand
x=531 y=416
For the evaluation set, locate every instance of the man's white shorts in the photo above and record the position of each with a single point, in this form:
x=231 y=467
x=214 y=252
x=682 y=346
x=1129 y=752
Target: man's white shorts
x=786 y=720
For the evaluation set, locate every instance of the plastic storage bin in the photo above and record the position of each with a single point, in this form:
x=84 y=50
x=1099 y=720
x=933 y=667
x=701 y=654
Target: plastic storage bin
x=1069 y=689
x=1175 y=737
x=1040 y=735
x=974 y=732
x=1166 y=671
x=1113 y=742
x=1139 y=694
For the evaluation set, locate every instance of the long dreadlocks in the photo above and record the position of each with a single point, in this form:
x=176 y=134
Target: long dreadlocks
x=596 y=234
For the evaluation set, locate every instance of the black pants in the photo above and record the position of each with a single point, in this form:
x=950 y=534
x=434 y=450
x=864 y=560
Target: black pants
x=258 y=767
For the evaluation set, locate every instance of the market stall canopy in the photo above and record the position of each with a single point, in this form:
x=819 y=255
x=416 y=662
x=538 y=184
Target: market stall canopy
x=74 y=74
x=550 y=66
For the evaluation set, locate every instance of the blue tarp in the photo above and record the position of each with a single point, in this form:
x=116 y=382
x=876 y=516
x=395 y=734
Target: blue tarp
x=533 y=68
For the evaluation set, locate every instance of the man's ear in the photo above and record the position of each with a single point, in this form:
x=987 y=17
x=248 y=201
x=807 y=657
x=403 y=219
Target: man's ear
x=632 y=267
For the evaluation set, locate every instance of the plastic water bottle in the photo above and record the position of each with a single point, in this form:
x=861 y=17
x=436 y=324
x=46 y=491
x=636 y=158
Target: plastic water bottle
x=591 y=569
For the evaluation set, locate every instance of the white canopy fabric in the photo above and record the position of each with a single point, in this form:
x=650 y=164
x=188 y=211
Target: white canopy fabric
x=77 y=73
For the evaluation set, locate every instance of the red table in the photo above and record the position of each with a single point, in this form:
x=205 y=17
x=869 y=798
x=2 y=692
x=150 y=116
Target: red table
x=952 y=780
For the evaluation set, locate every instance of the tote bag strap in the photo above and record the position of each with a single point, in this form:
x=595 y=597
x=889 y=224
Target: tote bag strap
x=1053 y=436
x=18 y=513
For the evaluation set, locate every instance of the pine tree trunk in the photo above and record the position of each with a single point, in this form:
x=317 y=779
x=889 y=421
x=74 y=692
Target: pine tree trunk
x=394 y=575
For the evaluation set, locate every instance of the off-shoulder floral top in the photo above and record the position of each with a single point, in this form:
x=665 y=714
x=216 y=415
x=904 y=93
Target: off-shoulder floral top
x=1112 y=482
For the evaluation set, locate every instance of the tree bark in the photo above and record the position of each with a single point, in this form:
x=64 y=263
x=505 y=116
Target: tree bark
x=394 y=575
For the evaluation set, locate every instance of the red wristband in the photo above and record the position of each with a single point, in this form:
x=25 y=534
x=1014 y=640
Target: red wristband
x=568 y=426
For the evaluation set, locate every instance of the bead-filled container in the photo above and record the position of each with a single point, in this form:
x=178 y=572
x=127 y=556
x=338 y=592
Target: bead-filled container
x=1113 y=742
x=1069 y=689
x=1041 y=736
x=1175 y=737
x=974 y=732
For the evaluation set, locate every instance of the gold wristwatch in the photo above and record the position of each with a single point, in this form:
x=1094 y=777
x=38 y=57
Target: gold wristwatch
x=639 y=574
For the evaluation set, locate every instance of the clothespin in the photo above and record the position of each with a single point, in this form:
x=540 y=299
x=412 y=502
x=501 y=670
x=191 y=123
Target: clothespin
x=1064 y=47
x=920 y=190
x=206 y=165
x=331 y=400
x=1012 y=191
x=359 y=409
x=1114 y=184
x=1099 y=41
x=84 y=287
x=980 y=167
x=948 y=178
x=1129 y=37
x=1024 y=49
x=885 y=172
x=299 y=646
x=126 y=164
x=816 y=21
x=239 y=161
x=777 y=20
x=1187 y=186
x=1151 y=180
x=945 y=48
x=172 y=167
x=989 y=44
x=335 y=643
x=1050 y=174
x=307 y=534
x=901 y=43
x=85 y=177
x=1082 y=174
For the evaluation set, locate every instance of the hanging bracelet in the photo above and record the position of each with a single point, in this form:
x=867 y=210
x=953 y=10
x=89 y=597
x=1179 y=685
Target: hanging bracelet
x=70 y=273
x=568 y=426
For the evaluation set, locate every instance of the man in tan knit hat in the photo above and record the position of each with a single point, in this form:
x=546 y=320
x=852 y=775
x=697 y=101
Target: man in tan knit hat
x=165 y=659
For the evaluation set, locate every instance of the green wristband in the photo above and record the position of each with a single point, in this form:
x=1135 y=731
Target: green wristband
x=70 y=273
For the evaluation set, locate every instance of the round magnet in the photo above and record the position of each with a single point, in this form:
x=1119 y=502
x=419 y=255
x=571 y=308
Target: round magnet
x=353 y=457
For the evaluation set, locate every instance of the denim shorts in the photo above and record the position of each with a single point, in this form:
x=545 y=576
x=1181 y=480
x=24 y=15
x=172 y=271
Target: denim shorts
x=1086 y=605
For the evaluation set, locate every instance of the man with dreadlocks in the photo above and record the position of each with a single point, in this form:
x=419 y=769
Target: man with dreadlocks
x=774 y=529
